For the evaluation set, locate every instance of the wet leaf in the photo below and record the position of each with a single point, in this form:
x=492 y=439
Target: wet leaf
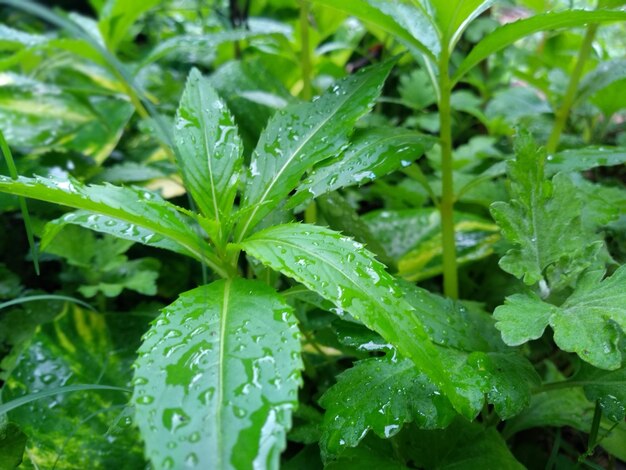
x=372 y=154
x=209 y=148
x=70 y=429
x=609 y=387
x=342 y=271
x=217 y=378
x=380 y=394
x=584 y=159
x=591 y=322
x=12 y=445
x=299 y=136
x=461 y=445
x=551 y=245
x=135 y=207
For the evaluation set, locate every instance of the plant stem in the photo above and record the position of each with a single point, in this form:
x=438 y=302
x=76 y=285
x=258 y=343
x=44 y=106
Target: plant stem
x=446 y=207
x=305 y=54
x=570 y=94
x=593 y=433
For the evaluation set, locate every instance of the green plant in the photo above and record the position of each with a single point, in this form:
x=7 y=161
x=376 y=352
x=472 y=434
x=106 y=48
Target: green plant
x=297 y=332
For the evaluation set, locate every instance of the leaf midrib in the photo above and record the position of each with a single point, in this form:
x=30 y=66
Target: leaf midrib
x=311 y=135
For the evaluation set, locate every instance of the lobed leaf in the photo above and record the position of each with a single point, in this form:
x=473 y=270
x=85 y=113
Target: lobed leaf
x=543 y=222
x=380 y=394
x=299 y=136
x=210 y=152
x=608 y=387
x=584 y=159
x=590 y=323
x=217 y=378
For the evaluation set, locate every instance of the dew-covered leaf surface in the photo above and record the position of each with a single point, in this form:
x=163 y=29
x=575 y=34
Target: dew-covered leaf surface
x=209 y=148
x=609 y=387
x=380 y=394
x=300 y=136
x=543 y=223
x=373 y=153
x=217 y=378
x=342 y=271
x=132 y=207
x=591 y=322
x=84 y=429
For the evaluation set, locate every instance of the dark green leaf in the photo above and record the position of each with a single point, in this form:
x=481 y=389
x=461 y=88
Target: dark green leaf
x=604 y=75
x=217 y=378
x=380 y=394
x=136 y=207
x=461 y=445
x=372 y=154
x=342 y=271
x=209 y=149
x=609 y=387
x=302 y=135
x=12 y=444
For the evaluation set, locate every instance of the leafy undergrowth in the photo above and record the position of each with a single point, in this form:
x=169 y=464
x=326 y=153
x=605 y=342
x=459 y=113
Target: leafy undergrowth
x=266 y=236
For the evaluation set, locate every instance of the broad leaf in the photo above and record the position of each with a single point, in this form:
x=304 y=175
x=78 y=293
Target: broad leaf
x=118 y=16
x=342 y=271
x=67 y=430
x=604 y=75
x=509 y=33
x=217 y=378
x=551 y=245
x=591 y=322
x=135 y=207
x=299 y=136
x=609 y=387
x=372 y=154
x=12 y=445
x=462 y=445
x=209 y=149
x=380 y=394
x=585 y=158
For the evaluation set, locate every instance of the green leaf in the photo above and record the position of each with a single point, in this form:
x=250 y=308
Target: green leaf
x=461 y=445
x=108 y=225
x=118 y=16
x=217 y=378
x=343 y=218
x=454 y=16
x=139 y=208
x=343 y=272
x=372 y=154
x=380 y=394
x=551 y=245
x=602 y=76
x=299 y=136
x=378 y=454
x=509 y=33
x=209 y=149
x=591 y=322
x=482 y=368
x=585 y=158
x=235 y=81
x=609 y=387
x=66 y=430
x=386 y=16
x=12 y=444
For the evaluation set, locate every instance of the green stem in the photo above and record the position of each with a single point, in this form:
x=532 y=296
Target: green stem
x=446 y=207
x=570 y=94
x=8 y=158
x=305 y=54
x=593 y=433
